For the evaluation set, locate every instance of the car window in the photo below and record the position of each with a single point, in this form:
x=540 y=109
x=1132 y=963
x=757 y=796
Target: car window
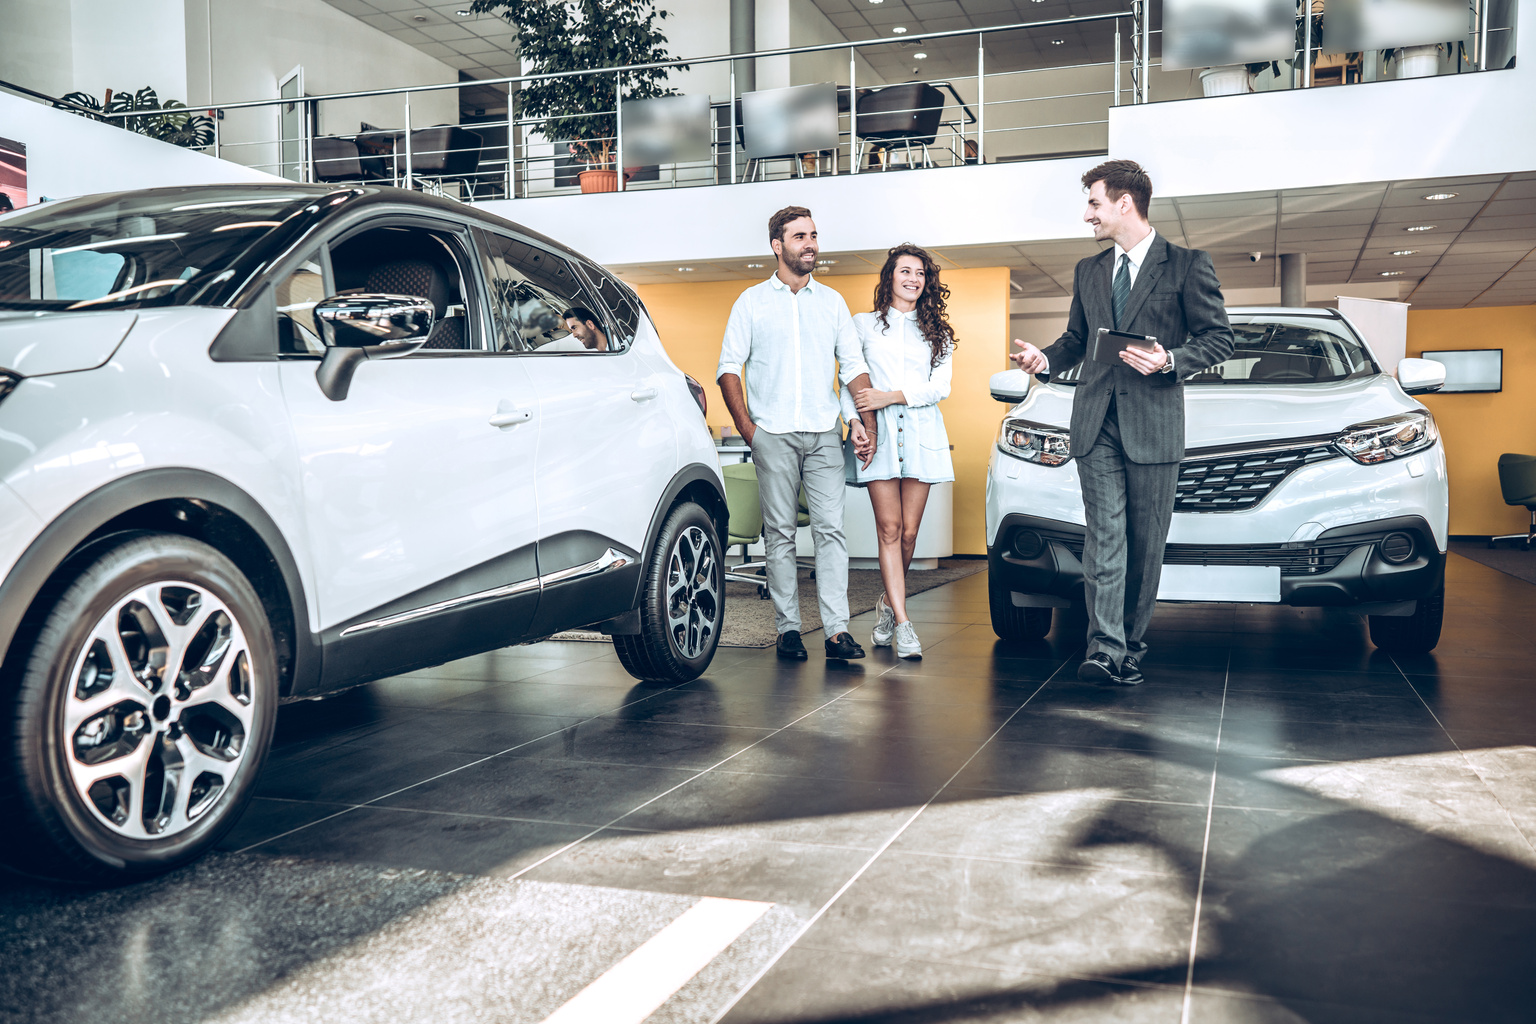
x=623 y=305
x=419 y=262
x=297 y=295
x=541 y=302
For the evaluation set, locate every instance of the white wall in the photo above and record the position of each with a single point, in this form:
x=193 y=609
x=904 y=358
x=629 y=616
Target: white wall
x=257 y=43
x=36 y=48
x=69 y=155
x=699 y=28
x=128 y=46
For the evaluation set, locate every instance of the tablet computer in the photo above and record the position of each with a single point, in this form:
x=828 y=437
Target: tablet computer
x=1107 y=345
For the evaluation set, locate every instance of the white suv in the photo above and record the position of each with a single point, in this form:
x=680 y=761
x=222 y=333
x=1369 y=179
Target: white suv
x=1311 y=478
x=263 y=443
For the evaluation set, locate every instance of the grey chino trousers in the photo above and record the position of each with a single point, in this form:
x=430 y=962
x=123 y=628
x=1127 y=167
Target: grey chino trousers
x=1128 y=507
x=783 y=462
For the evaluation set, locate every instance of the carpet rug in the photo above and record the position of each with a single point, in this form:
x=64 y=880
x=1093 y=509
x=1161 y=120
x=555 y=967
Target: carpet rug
x=1509 y=557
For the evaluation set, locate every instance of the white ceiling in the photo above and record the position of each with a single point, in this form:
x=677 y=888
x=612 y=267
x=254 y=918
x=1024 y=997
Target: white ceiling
x=480 y=45
x=1481 y=251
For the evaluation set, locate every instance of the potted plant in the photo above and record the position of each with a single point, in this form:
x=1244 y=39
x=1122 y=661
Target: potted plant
x=581 y=35
x=186 y=129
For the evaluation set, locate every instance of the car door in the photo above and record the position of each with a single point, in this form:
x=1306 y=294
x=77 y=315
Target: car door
x=607 y=447
x=419 y=485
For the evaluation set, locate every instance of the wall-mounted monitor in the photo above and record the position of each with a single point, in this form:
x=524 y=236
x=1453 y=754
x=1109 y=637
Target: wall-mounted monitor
x=1470 y=370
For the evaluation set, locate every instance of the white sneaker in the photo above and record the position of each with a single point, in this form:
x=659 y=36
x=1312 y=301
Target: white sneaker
x=885 y=623
x=907 y=643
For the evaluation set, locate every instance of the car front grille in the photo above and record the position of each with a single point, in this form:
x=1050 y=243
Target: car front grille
x=1233 y=483
x=1293 y=559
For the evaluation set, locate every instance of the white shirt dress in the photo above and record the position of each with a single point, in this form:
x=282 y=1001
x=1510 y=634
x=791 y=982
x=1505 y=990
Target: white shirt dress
x=913 y=441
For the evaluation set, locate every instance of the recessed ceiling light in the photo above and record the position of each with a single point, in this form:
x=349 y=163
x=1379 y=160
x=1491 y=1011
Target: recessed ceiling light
x=825 y=263
x=1435 y=197
x=877 y=1
x=759 y=266
x=685 y=270
x=463 y=14
x=1057 y=42
x=900 y=30
x=1420 y=227
x=1391 y=273
x=920 y=56
x=1404 y=252
x=420 y=17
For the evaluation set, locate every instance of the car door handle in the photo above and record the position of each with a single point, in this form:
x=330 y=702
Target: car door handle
x=644 y=394
x=511 y=418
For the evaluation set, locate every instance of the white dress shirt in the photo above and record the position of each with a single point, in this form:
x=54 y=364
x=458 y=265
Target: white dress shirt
x=912 y=441
x=1138 y=254
x=784 y=345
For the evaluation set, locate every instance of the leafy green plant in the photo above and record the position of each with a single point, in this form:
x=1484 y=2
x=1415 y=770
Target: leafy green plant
x=192 y=131
x=579 y=35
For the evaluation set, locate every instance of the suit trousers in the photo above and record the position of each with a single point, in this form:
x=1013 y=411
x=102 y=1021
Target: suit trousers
x=1128 y=507
x=783 y=462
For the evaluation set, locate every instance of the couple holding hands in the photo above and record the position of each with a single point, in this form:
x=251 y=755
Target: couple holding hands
x=1127 y=429
x=784 y=338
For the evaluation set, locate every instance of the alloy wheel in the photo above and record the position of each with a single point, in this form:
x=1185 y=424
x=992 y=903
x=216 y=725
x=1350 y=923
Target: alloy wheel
x=693 y=592
x=156 y=724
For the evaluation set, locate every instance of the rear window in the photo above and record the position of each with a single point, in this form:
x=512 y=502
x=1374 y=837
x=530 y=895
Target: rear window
x=107 y=252
x=1281 y=350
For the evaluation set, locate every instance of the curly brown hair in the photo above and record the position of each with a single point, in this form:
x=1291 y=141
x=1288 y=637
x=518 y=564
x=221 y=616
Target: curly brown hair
x=932 y=317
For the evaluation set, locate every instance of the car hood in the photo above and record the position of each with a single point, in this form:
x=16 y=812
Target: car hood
x=1238 y=414
x=33 y=345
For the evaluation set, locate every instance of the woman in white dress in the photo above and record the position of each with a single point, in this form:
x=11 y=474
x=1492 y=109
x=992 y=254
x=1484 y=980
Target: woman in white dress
x=907 y=342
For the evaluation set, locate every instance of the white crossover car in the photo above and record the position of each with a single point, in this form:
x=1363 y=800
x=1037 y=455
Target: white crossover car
x=261 y=443
x=1310 y=478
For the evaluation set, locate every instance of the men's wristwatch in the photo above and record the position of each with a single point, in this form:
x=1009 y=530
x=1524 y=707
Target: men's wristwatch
x=1167 y=366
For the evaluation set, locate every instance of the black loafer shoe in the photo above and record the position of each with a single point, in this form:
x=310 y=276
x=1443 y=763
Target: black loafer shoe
x=843 y=648
x=790 y=646
x=1098 y=668
x=1130 y=671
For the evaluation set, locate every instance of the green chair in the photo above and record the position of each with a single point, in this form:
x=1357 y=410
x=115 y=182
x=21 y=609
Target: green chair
x=746 y=523
x=1517 y=479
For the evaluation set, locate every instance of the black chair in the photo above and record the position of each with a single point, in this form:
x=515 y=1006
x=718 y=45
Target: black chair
x=336 y=159
x=1517 y=479
x=444 y=152
x=376 y=152
x=903 y=115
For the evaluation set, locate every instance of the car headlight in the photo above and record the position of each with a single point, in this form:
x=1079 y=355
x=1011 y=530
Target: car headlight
x=1035 y=442
x=1391 y=437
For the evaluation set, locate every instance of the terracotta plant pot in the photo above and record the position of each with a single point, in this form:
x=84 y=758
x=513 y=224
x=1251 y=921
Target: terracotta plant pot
x=599 y=181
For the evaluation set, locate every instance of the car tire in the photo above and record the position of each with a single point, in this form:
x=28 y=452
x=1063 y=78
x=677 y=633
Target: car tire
x=1010 y=622
x=1418 y=633
x=155 y=659
x=682 y=601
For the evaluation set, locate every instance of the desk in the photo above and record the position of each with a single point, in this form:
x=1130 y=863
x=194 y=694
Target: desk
x=935 y=538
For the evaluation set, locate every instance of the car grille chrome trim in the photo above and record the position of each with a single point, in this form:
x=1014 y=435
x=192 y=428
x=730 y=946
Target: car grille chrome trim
x=1239 y=480
x=606 y=562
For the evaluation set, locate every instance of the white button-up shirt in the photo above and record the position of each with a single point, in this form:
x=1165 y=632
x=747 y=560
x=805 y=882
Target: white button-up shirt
x=784 y=346
x=1138 y=254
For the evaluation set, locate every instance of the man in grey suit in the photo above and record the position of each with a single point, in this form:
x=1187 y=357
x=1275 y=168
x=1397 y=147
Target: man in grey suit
x=1128 y=420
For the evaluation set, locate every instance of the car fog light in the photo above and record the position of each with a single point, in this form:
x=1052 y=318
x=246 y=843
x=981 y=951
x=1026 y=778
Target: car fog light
x=1028 y=544
x=1397 y=548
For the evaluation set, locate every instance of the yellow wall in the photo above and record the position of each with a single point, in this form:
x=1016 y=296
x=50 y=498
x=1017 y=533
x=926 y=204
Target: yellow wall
x=1477 y=429
x=691 y=319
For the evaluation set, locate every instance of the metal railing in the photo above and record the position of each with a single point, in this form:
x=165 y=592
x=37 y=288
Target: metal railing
x=1003 y=112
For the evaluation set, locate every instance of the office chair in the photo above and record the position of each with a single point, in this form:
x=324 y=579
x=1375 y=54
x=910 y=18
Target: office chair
x=746 y=524
x=1517 y=479
x=904 y=115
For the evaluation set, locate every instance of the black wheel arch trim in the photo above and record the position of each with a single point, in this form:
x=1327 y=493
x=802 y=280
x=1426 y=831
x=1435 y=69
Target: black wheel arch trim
x=186 y=495
x=697 y=480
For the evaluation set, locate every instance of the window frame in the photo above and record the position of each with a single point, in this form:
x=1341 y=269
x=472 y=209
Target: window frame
x=593 y=298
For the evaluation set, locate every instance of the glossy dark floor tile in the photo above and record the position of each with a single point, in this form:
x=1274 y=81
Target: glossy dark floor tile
x=975 y=836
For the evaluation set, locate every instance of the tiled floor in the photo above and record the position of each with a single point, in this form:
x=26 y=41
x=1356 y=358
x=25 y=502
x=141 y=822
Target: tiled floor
x=1284 y=824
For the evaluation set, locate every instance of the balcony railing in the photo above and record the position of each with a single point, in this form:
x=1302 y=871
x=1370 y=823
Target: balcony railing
x=1004 y=111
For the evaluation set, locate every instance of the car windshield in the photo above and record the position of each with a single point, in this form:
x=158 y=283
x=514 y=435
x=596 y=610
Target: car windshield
x=1281 y=350
x=113 y=251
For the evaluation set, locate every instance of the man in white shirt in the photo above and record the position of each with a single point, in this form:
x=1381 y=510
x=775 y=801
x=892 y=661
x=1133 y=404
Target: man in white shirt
x=783 y=339
x=1128 y=417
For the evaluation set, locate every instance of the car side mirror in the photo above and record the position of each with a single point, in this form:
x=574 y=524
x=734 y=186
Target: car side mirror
x=1010 y=386
x=1420 y=376
x=359 y=327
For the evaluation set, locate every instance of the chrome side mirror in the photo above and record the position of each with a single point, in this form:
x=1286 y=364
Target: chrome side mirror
x=1010 y=386
x=1420 y=376
x=359 y=327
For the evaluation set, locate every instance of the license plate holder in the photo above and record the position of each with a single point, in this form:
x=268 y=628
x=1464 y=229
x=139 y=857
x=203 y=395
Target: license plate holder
x=1242 y=584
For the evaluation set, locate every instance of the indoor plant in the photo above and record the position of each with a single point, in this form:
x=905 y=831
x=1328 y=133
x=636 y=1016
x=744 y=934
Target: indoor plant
x=578 y=35
x=193 y=131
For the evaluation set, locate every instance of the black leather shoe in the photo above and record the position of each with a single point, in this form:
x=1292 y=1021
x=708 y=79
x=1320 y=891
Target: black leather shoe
x=1098 y=668
x=1130 y=671
x=790 y=646
x=843 y=648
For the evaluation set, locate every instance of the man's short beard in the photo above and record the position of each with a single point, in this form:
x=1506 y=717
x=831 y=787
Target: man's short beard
x=800 y=264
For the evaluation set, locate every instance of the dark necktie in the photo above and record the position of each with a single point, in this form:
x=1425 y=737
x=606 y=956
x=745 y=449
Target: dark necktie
x=1122 y=289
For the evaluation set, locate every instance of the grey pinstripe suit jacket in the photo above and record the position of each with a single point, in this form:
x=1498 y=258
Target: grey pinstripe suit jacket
x=1176 y=299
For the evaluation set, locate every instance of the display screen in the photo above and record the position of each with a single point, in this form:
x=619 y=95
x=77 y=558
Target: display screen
x=1480 y=369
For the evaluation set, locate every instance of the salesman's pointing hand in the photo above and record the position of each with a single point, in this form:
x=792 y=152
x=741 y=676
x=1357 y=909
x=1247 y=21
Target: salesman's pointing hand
x=1028 y=358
